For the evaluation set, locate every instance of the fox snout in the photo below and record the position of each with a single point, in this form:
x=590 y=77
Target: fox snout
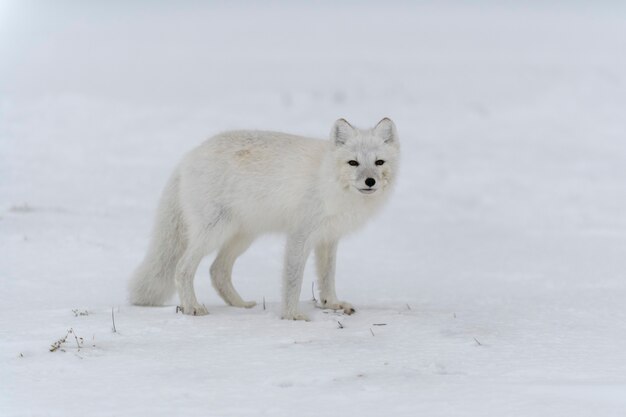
x=369 y=183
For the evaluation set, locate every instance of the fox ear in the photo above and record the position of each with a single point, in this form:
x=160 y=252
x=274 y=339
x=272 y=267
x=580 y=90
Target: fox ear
x=386 y=130
x=341 y=132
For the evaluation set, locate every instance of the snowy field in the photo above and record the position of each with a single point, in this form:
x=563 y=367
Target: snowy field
x=493 y=284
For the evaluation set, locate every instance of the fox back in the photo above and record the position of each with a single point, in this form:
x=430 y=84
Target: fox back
x=270 y=181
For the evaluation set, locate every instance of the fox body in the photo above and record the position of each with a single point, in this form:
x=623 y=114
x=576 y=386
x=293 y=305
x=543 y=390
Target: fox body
x=239 y=185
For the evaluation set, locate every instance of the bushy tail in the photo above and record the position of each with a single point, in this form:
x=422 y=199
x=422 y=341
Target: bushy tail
x=153 y=281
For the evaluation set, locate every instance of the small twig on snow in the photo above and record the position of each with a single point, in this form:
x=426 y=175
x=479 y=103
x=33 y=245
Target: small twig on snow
x=372 y=331
x=477 y=342
x=263 y=303
x=340 y=325
x=78 y=344
x=59 y=343
x=77 y=312
x=113 y=319
x=408 y=307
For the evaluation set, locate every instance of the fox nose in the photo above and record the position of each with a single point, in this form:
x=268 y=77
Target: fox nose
x=370 y=182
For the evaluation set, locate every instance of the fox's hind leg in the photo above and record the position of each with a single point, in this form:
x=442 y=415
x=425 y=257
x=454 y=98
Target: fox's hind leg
x=222 y=268
x=206 y=238
x=185 y=273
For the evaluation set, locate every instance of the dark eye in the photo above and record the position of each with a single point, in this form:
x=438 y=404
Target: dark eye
x=353 y=163
x=379 y=162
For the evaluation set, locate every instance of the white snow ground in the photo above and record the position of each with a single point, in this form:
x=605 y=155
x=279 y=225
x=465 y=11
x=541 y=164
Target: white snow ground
x=498 y=268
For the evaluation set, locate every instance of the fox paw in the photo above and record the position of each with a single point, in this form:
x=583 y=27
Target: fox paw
x=295 y=316
x=245 y=304
x=195 y=310
x=346 y=307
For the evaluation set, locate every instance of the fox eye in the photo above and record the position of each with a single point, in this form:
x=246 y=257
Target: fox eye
x=379 y=162
x=353 y=163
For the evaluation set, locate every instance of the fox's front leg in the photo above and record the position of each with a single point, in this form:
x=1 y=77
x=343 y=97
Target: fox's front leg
x=326 y=259
x=297 y=253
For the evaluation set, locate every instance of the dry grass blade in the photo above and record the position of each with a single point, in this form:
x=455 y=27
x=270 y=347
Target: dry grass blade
x=78 y=312
x=59 y=343
x=113 y=320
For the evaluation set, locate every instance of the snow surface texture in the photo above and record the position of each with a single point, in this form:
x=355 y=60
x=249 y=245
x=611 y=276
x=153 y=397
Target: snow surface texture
x=498 y=268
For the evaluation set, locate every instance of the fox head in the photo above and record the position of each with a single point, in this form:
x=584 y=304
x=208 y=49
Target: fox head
x=366 y=159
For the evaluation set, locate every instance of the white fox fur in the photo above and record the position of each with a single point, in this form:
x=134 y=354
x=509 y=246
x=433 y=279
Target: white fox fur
x=239 y=185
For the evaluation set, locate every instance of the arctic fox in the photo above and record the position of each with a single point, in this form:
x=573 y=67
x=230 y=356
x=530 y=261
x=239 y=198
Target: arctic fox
x=238 y=185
